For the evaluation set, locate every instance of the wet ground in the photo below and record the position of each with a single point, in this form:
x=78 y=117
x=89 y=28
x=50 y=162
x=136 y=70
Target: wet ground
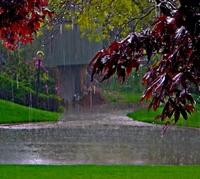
x=99 y=134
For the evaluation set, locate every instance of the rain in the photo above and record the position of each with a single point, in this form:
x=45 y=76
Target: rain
x=92 y=130
x=93 y=123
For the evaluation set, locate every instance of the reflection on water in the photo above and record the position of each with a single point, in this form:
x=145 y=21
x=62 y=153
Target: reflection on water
x=99 y=142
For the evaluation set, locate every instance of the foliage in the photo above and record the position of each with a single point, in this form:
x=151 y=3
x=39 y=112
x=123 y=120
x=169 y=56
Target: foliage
x=101 y=19
x=22 y=66
x=16 y=63
x=176 y=37
x=15 y=113
x=13 y=91
x=18 y=93
x=47 y=81
x=19 y=72
x=20 y=19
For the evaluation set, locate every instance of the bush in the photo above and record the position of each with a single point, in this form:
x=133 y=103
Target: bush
x=47 y=102
x=16 y=92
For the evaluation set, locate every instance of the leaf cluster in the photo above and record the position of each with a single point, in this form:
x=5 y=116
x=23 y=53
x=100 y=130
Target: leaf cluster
x=20 y=19
x=101 y=19
x=176 y=38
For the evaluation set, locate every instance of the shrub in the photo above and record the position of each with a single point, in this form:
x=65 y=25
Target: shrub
x=47 y=102
x=18 y=93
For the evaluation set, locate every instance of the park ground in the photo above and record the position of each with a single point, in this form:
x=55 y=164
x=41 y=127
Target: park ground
x=98 y=172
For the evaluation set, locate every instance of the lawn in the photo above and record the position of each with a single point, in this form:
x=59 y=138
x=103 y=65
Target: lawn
x=122 y=96
x=144 y=116
x=15 y=113
x=98 y=171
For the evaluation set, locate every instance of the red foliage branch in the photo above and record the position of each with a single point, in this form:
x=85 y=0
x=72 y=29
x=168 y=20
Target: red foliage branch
x=177 y=39
x=19 y=19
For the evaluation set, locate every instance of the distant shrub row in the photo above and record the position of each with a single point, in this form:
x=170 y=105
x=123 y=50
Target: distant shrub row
x=18 y=93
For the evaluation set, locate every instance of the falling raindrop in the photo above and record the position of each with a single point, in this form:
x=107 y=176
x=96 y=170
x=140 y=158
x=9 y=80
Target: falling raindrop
x=12 y=91
x=94 y=89
x=17 y=82
x=90 y=92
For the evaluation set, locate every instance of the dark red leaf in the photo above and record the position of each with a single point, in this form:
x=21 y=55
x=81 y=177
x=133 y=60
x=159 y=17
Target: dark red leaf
x=94 y=59
x=130 y=65
x=164 y=129
x=121 y=74
x=184 y=113
x=149 y=52
x=166 y=109
x=156 y=103
x=108 y=74
x=177 y=78
x=190 y=98
x=157 y=117
x=114 y=47
x=20 y=20
x=97 y=67
x=189 y=108
x=170 y=113
x=147 y=95
x=190 y=77
x=177 y=114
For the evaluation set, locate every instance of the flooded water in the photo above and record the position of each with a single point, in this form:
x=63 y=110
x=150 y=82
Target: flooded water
x=100 y=135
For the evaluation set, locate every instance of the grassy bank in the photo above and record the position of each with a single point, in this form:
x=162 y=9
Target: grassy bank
x=15 y=113
x=98 y=171
x=123 y=96
x=144 y=116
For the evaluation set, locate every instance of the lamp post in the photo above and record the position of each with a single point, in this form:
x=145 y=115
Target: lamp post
x=40 y=56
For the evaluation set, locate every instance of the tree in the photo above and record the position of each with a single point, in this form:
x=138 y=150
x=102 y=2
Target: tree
x=20 y=19
x=100 y=19
x=175 y=36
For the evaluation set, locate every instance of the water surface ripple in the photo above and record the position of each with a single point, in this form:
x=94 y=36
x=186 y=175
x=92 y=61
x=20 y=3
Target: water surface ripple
x=100 y=134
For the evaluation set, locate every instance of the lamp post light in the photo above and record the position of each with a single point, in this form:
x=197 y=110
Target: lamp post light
x=40 y=57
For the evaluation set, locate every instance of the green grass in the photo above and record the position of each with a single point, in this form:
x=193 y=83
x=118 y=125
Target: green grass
x=15 y=113
x=123 y=96
x=98 y=171
x=144 y=116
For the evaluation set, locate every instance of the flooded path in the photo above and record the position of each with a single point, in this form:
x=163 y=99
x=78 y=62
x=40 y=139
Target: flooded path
x=101 y=134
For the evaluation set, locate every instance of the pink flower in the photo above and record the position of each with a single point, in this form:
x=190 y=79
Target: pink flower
x=57 y=88
x=37 y=64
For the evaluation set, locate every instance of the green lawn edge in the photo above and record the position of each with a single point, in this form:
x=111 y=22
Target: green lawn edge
x=144 y=115
x=122 y=96
x=98 y=171
x=15 y=113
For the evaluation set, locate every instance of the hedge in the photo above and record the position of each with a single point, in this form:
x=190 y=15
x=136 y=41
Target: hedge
x=16 y=92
